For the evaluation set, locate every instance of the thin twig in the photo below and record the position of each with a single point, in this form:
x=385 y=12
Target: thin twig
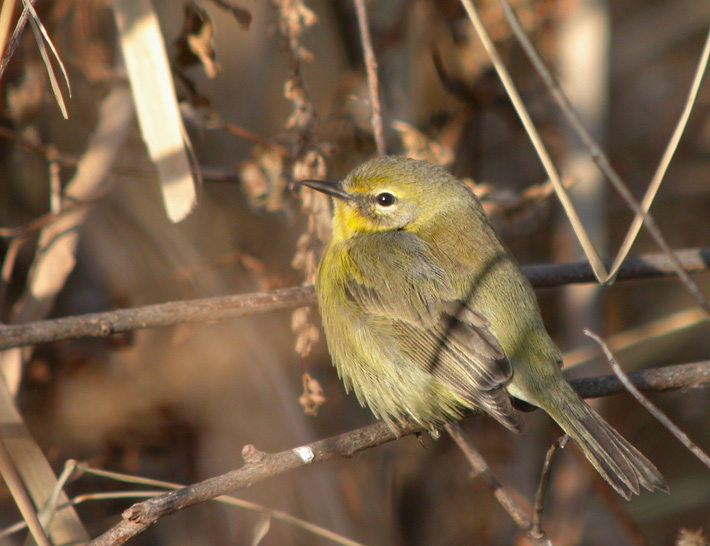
x=603 y=163
x=372 y=79
x=482 y=470
x=657 y=413
x=560 y=443
x=226 y=307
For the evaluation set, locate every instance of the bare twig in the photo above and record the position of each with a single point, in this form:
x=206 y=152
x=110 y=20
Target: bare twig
x=638 y=336
x=657 y=413
x=212 y=120
x=482 y=469
x=42 y=36
x=225 y=307
x=165 y=314
x=560 y=443
x=372 y=79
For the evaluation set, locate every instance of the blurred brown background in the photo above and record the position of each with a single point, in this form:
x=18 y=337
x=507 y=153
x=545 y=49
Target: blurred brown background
x=179 y=403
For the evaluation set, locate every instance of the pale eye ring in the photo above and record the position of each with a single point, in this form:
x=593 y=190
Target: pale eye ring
x=385 y=199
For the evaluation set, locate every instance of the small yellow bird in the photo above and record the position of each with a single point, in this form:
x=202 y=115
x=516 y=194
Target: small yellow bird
x=427 y=315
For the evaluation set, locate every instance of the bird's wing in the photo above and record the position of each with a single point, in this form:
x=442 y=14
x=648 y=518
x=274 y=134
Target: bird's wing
x=432 y=327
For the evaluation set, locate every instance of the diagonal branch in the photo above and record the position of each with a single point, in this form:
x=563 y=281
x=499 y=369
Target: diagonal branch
x=225 y=307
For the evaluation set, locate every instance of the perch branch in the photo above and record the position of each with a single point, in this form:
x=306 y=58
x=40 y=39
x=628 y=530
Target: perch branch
x=260 y=466
x=225 y=307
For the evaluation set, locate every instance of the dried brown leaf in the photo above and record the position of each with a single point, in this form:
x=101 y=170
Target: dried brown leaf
x=312 y=398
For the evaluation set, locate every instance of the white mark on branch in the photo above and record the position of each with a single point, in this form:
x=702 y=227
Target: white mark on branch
x=305 y=454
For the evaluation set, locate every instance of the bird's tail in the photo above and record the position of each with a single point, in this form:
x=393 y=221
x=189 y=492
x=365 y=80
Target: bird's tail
x=619 y=463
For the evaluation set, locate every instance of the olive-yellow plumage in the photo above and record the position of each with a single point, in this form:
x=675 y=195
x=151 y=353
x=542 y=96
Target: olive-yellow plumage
x=427 y=314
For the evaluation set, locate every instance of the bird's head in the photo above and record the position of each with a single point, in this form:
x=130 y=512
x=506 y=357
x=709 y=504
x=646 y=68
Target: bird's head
x=389 y=193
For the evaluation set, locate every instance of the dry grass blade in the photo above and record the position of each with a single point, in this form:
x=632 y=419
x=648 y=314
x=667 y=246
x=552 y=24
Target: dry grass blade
x=14 y=39
x=6 y=11
x=654 y=333
x=42 y=36
x=665 y=161
x=591 y=253
x=47 y=512
x=27 y=468
x=657 y=413
x=21 y=497
x=225 y=499
x=603 y=163
x=156 y=103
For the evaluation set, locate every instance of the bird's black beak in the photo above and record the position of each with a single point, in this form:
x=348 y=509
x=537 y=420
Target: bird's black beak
x=334 y=189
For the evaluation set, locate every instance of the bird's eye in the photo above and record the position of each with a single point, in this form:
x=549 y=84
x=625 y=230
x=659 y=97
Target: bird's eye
x=385 y=199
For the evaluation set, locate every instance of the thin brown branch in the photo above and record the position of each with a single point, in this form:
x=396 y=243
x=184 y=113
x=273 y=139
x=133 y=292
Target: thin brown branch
x=657 y=413
x=482 y=470
x=695 y=375
x=260 y=466
x=150 y=316
x=225 y=307
x=372 y=79
x=560 y=443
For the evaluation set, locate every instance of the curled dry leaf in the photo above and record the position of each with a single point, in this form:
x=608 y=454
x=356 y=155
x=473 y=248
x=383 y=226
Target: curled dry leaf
x=418 y=146
x=261 y=528
x=696 y=537
x=307 y=335
x=262 y=178
x=196 y=44
x=312 y=398
x=241 y=14
x=294 y=19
